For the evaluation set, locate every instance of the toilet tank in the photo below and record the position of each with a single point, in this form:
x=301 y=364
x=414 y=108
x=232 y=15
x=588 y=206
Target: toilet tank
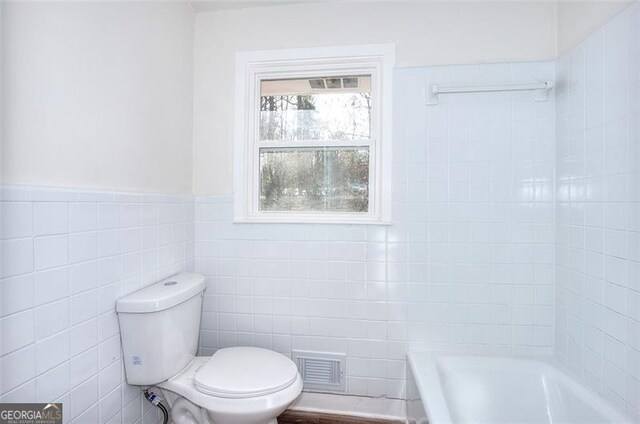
x=159 y=328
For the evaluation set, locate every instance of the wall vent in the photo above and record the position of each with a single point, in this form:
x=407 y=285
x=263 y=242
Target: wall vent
x=334 y=83
x=321 y=371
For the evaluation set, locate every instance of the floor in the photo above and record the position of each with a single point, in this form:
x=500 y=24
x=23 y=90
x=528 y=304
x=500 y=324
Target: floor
x=299 y=417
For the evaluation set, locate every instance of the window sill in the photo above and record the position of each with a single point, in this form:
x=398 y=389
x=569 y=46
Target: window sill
x=312 y=221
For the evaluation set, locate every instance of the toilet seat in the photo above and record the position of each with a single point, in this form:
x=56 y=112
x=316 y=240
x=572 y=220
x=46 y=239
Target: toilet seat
x=245 y=372
x=249 y=410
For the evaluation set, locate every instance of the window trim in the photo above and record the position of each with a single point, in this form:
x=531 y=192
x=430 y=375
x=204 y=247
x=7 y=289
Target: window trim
x=252 y=67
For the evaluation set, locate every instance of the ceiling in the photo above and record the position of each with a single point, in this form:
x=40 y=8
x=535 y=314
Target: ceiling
x=206 y=5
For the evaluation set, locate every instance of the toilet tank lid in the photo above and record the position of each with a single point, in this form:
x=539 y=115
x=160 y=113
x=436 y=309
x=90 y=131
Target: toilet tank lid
x=162 y=295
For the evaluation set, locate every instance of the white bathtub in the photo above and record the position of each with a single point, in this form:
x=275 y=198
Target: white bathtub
x=495 y=390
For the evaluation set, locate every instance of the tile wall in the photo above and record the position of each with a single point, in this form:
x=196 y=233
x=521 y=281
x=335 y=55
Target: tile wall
x=467 y=266
x=598 y=210
x=67 y=256
x=474 y=203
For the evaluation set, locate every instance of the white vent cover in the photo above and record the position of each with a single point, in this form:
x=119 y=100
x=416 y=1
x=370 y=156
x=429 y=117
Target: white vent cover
x=321 y=371
x=334 y=83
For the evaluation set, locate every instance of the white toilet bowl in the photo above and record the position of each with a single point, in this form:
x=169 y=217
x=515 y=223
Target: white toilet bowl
x=159 y=328
x=239 y=385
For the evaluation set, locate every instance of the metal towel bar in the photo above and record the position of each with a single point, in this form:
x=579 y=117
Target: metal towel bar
x=543 y=89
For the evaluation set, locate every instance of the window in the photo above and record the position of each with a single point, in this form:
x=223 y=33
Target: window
x=312 y=135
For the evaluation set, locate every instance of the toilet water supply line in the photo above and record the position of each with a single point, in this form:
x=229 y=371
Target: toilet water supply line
x=155 y=399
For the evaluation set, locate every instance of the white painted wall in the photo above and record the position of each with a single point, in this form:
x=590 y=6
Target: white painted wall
x=75 y=119
x=578 y=19
x=425 y=34
x=98 y=95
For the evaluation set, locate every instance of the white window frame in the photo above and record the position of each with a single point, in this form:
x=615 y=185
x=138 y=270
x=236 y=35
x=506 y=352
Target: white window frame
x=252 y=67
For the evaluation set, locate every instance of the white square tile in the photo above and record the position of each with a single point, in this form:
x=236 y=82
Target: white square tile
x=17 y=220
x=17 y=368
x=149 y=260
x=82 y=217
x=116 y=419
x=130 y=393
x=130 y=215
x=52 y=384
x=17 y=331
x=50 y=218
x=109 y=378
x=131 y=411
x=50 y=251
x=83 y=277
x=84 y=366
x=52 y=351
x=109 y=270
x=51 y=318
x=130 y=240
x=110 y=406
x=164 y=213
x=17 y=256
x=17 y=294
x=108 y=216
x=84 y=336
x=19 y=394
x=84 y=396
x=107 y=297
x=51 y=285
x=108 y=243
x=149 y=214
x=130 y=265
x=84 y=306
x=107 y=326
x=109 y=352
x=90 y=415
x=82 y=247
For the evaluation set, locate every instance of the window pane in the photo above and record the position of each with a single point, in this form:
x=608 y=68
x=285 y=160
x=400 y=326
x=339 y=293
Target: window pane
x=315 y=179
x=332 y=108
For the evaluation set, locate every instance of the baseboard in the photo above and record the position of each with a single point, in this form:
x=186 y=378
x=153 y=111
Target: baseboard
x=357 y=406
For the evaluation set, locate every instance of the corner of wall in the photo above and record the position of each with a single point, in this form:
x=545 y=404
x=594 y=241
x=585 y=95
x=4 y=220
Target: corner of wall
x=556 y=26
x=575 y=21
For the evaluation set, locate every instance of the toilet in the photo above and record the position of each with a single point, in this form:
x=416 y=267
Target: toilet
x=159 y=327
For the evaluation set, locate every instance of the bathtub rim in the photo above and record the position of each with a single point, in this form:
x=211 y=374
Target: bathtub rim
x=433 y=396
